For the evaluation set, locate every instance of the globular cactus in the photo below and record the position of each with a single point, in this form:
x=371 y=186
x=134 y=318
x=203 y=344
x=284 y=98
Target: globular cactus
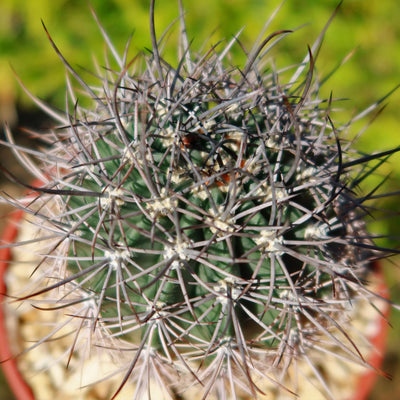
x=202 y=226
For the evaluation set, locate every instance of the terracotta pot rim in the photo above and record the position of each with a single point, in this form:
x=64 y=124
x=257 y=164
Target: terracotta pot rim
x=378 y=342
x=16 y=382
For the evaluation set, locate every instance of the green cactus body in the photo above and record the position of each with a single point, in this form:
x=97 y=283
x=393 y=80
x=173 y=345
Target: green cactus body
x=199 y=211
x=211 y=223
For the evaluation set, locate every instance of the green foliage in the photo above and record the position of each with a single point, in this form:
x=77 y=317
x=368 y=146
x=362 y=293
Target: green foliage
x=371 y=26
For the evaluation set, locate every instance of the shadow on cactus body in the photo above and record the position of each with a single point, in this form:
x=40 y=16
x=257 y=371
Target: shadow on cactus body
x=203 y=222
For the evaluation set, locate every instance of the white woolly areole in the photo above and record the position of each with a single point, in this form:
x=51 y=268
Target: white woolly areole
x=163 y=205
x=112 y=196
x=227 y=288
x=178 y=249
x=117 y=257
x=157 y=309
x=269 y=242
x=315 y=232
x=219 y=223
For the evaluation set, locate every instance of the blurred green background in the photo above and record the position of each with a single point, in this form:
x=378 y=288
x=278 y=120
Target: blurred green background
x=371 y=27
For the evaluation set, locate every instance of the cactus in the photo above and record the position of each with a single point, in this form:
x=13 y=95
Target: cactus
x=200 y=224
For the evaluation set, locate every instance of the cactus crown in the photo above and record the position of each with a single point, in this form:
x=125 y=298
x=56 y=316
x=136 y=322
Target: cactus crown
x=203 y=220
